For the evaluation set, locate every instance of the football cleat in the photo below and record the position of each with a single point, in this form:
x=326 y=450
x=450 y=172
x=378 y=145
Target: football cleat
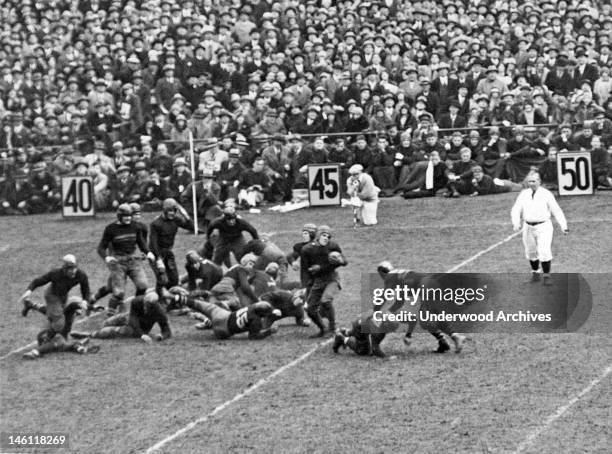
x=32 y=354
x=27 y=305
x=443 y=346
x=459 y=340
x=546 y=280
x=338 y=342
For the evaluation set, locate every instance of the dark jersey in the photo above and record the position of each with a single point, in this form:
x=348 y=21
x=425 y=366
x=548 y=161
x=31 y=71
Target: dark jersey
x=362 y=340
x=229 y=232
x=280 y=299
x=61 y=283
x=238 y=321
x=315 y=254
x=241 y=276
x=143 y=228
x=163 y=233
x=208 y=272
x=294 y=255
x=122 y=239
x=262 y=282
x=143 y=322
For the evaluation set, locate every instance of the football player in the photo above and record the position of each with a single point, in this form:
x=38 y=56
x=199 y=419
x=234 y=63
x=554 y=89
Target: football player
x=202 y=274
x=49 y=340
x=145 y=312
x=230 y=239
x=255 y=319
x=309 y=232
x=161 y=242
x=118 y=248
x=321 y=258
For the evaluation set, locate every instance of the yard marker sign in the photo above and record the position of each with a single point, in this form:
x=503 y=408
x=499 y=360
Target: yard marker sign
x=324 y=185
x=574 y=173
x=77 y=197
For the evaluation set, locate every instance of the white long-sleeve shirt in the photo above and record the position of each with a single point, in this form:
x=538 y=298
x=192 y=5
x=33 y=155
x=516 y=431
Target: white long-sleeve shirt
x=362 y=186
x=537 y=207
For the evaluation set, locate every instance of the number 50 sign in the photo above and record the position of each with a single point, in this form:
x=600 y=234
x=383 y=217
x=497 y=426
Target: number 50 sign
x=324 y=184
x=77 y=197
x=574 y=173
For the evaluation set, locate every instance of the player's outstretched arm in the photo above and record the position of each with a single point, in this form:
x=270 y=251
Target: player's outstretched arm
x=557 y=212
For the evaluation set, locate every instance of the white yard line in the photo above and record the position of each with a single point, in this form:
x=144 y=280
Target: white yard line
x=483 y=252
x=559 y=412
x=160 y=444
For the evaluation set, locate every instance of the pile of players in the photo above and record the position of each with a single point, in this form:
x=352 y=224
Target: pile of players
x=231 y=285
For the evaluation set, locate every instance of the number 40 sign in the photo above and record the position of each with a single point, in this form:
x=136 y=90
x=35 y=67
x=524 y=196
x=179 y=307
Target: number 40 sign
x=574 y=173
x=324 y=184
x=77 y=197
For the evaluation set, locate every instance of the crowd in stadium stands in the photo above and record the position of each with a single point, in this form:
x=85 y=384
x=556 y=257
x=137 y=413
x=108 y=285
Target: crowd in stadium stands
x=113 y=89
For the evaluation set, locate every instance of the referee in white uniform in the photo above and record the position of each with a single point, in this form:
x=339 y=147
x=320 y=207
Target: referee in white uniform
x=533 y=207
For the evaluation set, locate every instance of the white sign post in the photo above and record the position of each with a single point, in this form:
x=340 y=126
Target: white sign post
x=324 y=184
x=574 y=174
x=78 y=197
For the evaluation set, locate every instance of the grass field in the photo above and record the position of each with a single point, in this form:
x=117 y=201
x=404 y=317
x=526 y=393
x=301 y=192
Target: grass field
x=546 y=393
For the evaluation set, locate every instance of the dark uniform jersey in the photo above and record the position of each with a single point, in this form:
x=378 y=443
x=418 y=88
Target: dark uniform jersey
x=61 y=283
x=294 y=255
x=315 y=254
x=240 y=276
x=143 y=321
x=280 y=299
x=362 y=340
x=122 y=239
x=143 y=228
x=163 y=233
x=207 y=272
x=229 y=232
x=262 y=282
x=238 y=321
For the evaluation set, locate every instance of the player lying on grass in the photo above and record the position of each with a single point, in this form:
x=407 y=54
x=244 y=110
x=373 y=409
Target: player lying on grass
x=365 y=337
x=255 y=319
x=394 y=278
x=50 y=340
x=145 y=312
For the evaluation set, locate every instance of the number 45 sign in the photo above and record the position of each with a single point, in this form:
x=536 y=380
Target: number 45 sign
x=574 y=173
x=324 y=184
x=77 y=197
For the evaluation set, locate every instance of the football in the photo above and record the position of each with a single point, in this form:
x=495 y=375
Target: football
x=335 y=258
